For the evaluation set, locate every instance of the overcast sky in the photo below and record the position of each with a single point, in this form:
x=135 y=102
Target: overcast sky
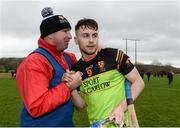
x=156 y=23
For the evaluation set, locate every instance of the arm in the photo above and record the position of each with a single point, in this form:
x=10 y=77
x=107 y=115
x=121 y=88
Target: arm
x=77 y=100
x=137 y=84
x=131 y=109
x=75 y=96
x=131 y=73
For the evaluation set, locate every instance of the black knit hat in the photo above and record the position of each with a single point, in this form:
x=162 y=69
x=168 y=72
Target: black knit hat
x=52 y=23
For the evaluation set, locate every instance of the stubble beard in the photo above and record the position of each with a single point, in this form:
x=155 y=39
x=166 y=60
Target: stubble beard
x=89 y=53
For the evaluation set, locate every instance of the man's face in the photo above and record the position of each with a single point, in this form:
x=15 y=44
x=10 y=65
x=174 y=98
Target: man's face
x=87 y=39
x=61 y=39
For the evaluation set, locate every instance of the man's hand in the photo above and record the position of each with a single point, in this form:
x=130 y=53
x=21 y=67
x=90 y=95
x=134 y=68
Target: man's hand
x=72 y=79
x=67 y=77
x=117 y=114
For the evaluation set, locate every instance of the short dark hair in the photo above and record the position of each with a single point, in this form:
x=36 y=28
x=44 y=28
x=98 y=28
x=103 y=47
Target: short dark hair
x=86 y=23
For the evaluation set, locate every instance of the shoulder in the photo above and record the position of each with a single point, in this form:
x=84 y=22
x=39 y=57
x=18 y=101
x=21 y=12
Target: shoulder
x=108 y=50
x=33 y=64
x=36 y=59
x=111 y=51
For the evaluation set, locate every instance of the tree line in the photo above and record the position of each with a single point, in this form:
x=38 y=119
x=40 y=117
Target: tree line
x=9 y=64
x=157 y=70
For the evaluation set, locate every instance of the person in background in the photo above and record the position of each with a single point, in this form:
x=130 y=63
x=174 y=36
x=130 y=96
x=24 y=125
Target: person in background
x=46 y=99
x=148 y=75
x=170 y=77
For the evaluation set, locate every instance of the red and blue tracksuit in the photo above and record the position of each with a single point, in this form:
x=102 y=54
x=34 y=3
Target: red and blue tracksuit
x=46 y=99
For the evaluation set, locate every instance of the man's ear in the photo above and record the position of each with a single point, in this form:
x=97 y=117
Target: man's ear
x=75 y=40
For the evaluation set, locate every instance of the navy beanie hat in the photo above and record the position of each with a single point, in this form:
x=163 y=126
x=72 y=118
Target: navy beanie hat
x=52 y=23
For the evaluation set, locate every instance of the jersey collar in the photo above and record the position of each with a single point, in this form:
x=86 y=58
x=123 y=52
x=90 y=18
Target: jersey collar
x=90 y=57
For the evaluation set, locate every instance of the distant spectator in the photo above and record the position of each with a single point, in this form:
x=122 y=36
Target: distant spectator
x=148 y=75
x=13 y=74
x=162 y=74
x=170 y=77
x=142 y=75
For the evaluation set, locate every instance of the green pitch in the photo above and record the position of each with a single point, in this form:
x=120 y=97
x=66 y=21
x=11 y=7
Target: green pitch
x=158 y=105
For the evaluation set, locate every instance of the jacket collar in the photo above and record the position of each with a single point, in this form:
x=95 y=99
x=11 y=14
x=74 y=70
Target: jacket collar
x=49 y=47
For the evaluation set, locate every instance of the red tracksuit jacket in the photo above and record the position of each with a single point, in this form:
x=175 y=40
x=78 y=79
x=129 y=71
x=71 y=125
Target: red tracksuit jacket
x=33 y=76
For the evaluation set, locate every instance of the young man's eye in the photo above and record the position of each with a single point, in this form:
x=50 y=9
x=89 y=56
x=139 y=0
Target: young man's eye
x=85 y=35
x=95 y=35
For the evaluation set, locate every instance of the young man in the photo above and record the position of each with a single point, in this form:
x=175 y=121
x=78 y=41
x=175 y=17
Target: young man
x=46 y=99
x=103 y=77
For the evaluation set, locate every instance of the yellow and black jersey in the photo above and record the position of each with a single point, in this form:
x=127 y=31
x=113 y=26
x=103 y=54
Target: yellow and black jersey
x=103 y=82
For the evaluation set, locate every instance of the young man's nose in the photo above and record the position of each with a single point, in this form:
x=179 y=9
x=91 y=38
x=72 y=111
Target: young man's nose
x=90 y=39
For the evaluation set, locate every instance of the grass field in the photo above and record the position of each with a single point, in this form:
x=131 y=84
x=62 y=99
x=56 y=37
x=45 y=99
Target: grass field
x=158 y=106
